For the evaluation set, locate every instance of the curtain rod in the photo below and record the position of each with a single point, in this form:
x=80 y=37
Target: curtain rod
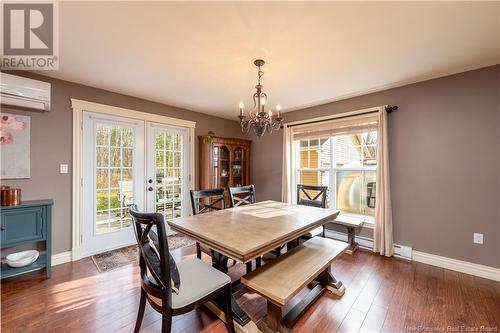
x=389 y=109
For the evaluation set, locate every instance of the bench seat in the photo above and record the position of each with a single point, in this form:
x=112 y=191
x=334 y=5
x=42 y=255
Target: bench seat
x=351 y=223
x=283 y=278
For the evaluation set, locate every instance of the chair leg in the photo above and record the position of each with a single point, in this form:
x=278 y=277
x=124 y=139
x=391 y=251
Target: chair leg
x=249 y=267
x=198 y=251
x=323 y=233
x=140 y=314
x=166 y=323
x=277 y=251
x=227 y=309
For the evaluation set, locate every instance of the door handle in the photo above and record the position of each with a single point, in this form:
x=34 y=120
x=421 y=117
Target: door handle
x=150 y=189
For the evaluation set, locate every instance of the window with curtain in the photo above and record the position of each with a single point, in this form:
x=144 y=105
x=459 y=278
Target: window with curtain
x=339 y=154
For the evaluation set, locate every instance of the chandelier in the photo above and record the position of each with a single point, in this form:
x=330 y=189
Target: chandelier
x=258 y=118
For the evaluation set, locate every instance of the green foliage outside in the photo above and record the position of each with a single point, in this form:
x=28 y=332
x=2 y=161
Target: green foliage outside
x=102 y=201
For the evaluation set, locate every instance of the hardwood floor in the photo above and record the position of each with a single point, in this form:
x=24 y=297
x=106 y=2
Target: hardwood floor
x=382 y=295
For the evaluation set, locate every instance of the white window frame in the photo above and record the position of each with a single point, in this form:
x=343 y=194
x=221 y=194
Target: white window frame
x=332 y=170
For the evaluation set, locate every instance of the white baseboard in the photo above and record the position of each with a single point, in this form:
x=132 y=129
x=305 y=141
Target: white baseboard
x=407 y=252
x=61 y=258
x=466 y=267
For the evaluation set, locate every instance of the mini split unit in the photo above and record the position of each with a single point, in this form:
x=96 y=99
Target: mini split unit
x=23 y=92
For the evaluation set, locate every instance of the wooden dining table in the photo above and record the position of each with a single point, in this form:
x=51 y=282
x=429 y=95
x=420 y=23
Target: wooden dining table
x=248 y=232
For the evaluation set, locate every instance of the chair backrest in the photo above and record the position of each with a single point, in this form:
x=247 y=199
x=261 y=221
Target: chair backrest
x=242 y=195
x=143 y=222
x=314 y=195
x=203 y=201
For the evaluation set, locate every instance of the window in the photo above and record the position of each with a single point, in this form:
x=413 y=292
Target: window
x=346 y=163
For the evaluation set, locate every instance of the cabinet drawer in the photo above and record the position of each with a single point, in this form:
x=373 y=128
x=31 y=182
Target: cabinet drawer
x=23 y=225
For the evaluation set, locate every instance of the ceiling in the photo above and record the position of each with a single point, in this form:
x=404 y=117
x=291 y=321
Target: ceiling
x=199 y=56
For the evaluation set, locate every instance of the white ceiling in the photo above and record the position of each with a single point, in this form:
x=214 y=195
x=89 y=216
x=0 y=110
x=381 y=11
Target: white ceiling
x=200 y=56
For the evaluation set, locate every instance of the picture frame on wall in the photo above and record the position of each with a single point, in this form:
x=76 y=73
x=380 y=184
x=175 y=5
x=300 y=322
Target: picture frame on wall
x=15 y=136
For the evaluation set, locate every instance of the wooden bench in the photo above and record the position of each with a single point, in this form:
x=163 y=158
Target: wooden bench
x=283 y=278
x=351 y=223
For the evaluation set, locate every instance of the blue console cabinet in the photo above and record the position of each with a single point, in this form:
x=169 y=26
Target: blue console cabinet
x=29 y=222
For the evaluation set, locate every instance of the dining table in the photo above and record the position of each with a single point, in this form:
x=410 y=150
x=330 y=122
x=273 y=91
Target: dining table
x=245 y=233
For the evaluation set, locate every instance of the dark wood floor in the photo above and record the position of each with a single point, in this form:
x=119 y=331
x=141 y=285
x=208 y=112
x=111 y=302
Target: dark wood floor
x=383 y=295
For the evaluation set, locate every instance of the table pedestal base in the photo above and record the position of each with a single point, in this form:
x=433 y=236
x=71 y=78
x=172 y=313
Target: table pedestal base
x=219 y=261
x=249 y=327
x=335 y=286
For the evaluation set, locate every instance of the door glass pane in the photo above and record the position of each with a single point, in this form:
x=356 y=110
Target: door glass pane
x=114 y=177
x=102 y=154
x=127 y=157
x=168 y=164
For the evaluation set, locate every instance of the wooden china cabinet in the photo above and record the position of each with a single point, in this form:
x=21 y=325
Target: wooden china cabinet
x=224 y=162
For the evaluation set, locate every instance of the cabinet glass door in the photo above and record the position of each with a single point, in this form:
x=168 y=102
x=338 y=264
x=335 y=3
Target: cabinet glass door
x=224 y=166
x=238 y=167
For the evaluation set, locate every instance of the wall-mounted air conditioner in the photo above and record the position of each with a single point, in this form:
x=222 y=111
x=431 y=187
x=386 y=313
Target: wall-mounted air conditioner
x=23 y=92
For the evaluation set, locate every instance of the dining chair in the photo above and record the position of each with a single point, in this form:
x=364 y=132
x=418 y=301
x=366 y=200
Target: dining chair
x=314 y=196
x=173 y=288
x=203 y=201
x=242 y=195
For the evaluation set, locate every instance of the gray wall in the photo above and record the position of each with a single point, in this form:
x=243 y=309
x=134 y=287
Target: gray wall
x=51 y=145
x=444 y=145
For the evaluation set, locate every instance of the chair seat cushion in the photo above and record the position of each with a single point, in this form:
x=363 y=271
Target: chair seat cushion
x=198 y=280
x=315 y=232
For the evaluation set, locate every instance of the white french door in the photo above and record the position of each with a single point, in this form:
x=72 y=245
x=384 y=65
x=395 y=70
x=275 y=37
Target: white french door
x=129 y=161
x=167 y=170
x=113 y=178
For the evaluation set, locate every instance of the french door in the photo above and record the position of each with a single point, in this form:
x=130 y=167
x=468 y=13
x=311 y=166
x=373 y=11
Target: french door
x=129 y=161
x=167 y=171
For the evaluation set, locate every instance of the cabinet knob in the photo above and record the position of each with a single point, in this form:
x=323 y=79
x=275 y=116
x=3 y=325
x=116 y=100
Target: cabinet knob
x=2 y=228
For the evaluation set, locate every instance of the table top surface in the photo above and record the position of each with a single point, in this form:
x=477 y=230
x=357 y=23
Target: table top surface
x=246 y=232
